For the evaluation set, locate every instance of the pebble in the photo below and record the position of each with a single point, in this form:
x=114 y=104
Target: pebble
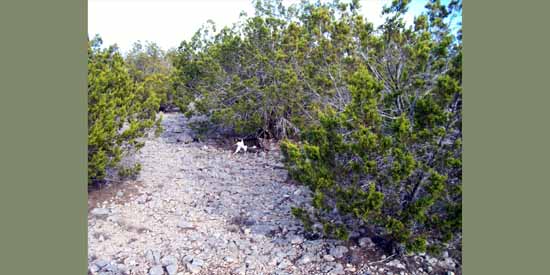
x=141 y=199
x=183 y=224
x=193 y=268
x=153 y=256
x=93 y=268
x=240 y=270
x=181 y=220
x=284 y=264
x=229 y=259
x=366 y=242
x=156 y=270
x=396 y=263
x=168 y=260
x=338 y=269
x=188 y=258
x=338 y=251
x=197 y=262
x=171 y=269
x=296 y=240
x=101 y=263
x=305 y=259
x=100 y=212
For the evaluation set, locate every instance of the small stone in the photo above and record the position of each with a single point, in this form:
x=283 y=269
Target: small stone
x=141 y=199
x=339 y=251
x=129 y=261
x=296 y=240
x=100 y=212
x=93 y=268
x=250 y=260
x=273 y=262
x=156 y=270
x=149 y=256
x=431 y=260
x=119 y=194
x=240 y=270
x=183 y=224
x=100 y=263
x=327 y=268
x=328 y=257
x=366 y=242
x=188 y=258
x=152 y=257
x=198 y=262
x=168 y=260
x=111 y=268
x=263 y=229
x=305 y=259
x=193 y=268
x=337 y=270
x=396 y=263
x=350 y=269
x=317 y=226
x=172 y=269
x=281 y=254
x=229 y=259
x=447 y=263
x=113 y=219
x=354 y=234
x=450 y=273
x=185 y=138
x=156 y=257
x=284 y=264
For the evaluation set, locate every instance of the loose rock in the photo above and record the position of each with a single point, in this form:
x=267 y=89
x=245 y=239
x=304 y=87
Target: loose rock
x=366 y=242
x=193 y=268
x=156 y=270
x=182 y=219
x=100 y=212
x=172 y=269
x=338 y=251
x=296 y=240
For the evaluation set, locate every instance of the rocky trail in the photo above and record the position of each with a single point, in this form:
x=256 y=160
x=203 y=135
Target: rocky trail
x=196 y=208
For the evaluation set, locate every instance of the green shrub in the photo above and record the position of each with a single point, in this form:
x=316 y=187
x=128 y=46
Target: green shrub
x=150 y=66
x=266 y=76
x=372 y=116
x=382 y=175
x=119 y=112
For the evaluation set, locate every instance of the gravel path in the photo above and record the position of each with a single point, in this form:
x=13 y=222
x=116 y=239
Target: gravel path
x=202 y=210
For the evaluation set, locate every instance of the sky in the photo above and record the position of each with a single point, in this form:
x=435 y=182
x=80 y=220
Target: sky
x=169 y=22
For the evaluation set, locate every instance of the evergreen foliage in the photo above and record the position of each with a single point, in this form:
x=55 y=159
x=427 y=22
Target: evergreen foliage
x=120 y=111
x=150 y=66
x=373 y=115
